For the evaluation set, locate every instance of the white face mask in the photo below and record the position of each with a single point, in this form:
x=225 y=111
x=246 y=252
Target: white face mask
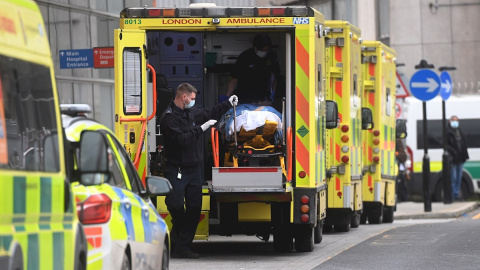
x=262 y=54
x=189 y=105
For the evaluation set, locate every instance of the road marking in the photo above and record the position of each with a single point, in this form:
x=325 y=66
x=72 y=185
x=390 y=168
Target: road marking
x=476 y=216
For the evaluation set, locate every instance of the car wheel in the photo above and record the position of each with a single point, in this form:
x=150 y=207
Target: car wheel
x=165 y=257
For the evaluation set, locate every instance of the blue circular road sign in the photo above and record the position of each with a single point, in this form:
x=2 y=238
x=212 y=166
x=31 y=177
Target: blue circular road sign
x=425 y=84
x=445 y=85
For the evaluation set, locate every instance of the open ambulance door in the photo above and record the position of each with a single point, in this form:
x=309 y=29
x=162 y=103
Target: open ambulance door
x=131 y=69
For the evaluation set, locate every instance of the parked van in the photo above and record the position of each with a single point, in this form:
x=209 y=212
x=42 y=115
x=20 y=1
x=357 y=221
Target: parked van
x=466 y=108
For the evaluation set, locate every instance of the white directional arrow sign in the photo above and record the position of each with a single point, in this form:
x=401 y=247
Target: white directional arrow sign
x=425 y=84
x=446 y=85
x=431 y=85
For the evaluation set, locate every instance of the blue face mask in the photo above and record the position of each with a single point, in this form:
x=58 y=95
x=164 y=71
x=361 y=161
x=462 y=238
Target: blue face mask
x=190 y=105
x=454 y=124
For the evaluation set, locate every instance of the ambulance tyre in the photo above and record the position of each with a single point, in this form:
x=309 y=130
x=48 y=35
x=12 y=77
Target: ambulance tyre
x=282 y=239
x=16 y=259
x=318 y=232
x=387 y=214
x=363 y=219
x=126 y=262
x=355 y=220
x=327 y=228
x=375 y=219
x=343 y=227
x=304 y=238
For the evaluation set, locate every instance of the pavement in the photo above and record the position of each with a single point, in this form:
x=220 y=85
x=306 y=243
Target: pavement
x=416 y=210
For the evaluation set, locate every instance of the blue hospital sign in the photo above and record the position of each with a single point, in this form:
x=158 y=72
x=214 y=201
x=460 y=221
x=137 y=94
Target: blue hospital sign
x=82 y=58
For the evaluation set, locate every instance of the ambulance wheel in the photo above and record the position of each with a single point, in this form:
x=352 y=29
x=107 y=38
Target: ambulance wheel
x=363 y=219
x=304 y=238
x=342 y=227
x=355 y=220
x=16 y=259
x=126 y=262
x=165 y=257
x=327 y=228
x=318 y=232
x=375 y=219
x=387 y=214
x=282 y=239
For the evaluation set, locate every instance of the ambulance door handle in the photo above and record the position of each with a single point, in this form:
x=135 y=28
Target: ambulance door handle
x=126 y=202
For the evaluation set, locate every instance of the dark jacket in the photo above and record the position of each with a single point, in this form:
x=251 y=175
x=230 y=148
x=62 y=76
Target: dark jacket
x=182 y=132
x=457 y=151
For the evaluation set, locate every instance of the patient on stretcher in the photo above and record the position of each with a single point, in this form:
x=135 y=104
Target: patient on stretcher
x=259 y=136
x=252 y=123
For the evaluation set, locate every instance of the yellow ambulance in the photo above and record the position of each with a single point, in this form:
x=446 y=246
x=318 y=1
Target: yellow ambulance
x=284 y=196
x=379 y=164
x=344 y=144
x=39 y=228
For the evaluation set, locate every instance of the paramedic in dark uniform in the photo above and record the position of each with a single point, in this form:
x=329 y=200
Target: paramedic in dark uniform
x=182 y=126
x=255 y=73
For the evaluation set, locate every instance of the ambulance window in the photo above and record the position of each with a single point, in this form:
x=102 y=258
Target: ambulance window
x=132 y=81
x=355 y=91
x=129 y=168
x=388 y=102
x=27 y=117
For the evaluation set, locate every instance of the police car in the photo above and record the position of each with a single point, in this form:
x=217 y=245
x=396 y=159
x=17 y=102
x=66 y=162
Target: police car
x=123 y=228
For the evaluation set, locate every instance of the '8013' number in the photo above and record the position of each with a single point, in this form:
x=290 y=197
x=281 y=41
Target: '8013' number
x=133 y=21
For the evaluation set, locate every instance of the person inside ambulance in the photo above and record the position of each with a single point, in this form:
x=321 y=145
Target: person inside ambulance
x=255 y=73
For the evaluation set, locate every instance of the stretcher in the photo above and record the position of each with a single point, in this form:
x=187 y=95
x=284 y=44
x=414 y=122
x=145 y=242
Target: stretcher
x=251 y=139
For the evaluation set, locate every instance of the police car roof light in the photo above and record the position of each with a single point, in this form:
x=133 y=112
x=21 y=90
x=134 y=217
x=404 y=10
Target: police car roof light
x=75 y=109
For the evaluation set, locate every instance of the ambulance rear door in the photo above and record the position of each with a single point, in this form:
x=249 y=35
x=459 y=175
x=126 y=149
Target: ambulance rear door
x=131 y=95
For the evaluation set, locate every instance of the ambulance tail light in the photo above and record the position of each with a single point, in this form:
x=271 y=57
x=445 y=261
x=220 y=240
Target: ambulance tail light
x=305 y=209
x=96 y=209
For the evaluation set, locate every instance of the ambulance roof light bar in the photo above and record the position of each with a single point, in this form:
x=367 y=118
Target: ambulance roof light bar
x=217 y=12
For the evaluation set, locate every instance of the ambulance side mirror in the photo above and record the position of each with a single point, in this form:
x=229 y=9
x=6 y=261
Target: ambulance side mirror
x=157 y=186
x=367 y=119
x=401 y=128
x=93 y=158
x=331 y=114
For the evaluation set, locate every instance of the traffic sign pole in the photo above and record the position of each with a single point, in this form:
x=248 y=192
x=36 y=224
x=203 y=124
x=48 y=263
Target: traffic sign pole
x=445 y=92
x=425 y=85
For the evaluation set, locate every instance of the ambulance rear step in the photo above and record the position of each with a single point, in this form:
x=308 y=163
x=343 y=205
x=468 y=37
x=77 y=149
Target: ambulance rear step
x=247 y=179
